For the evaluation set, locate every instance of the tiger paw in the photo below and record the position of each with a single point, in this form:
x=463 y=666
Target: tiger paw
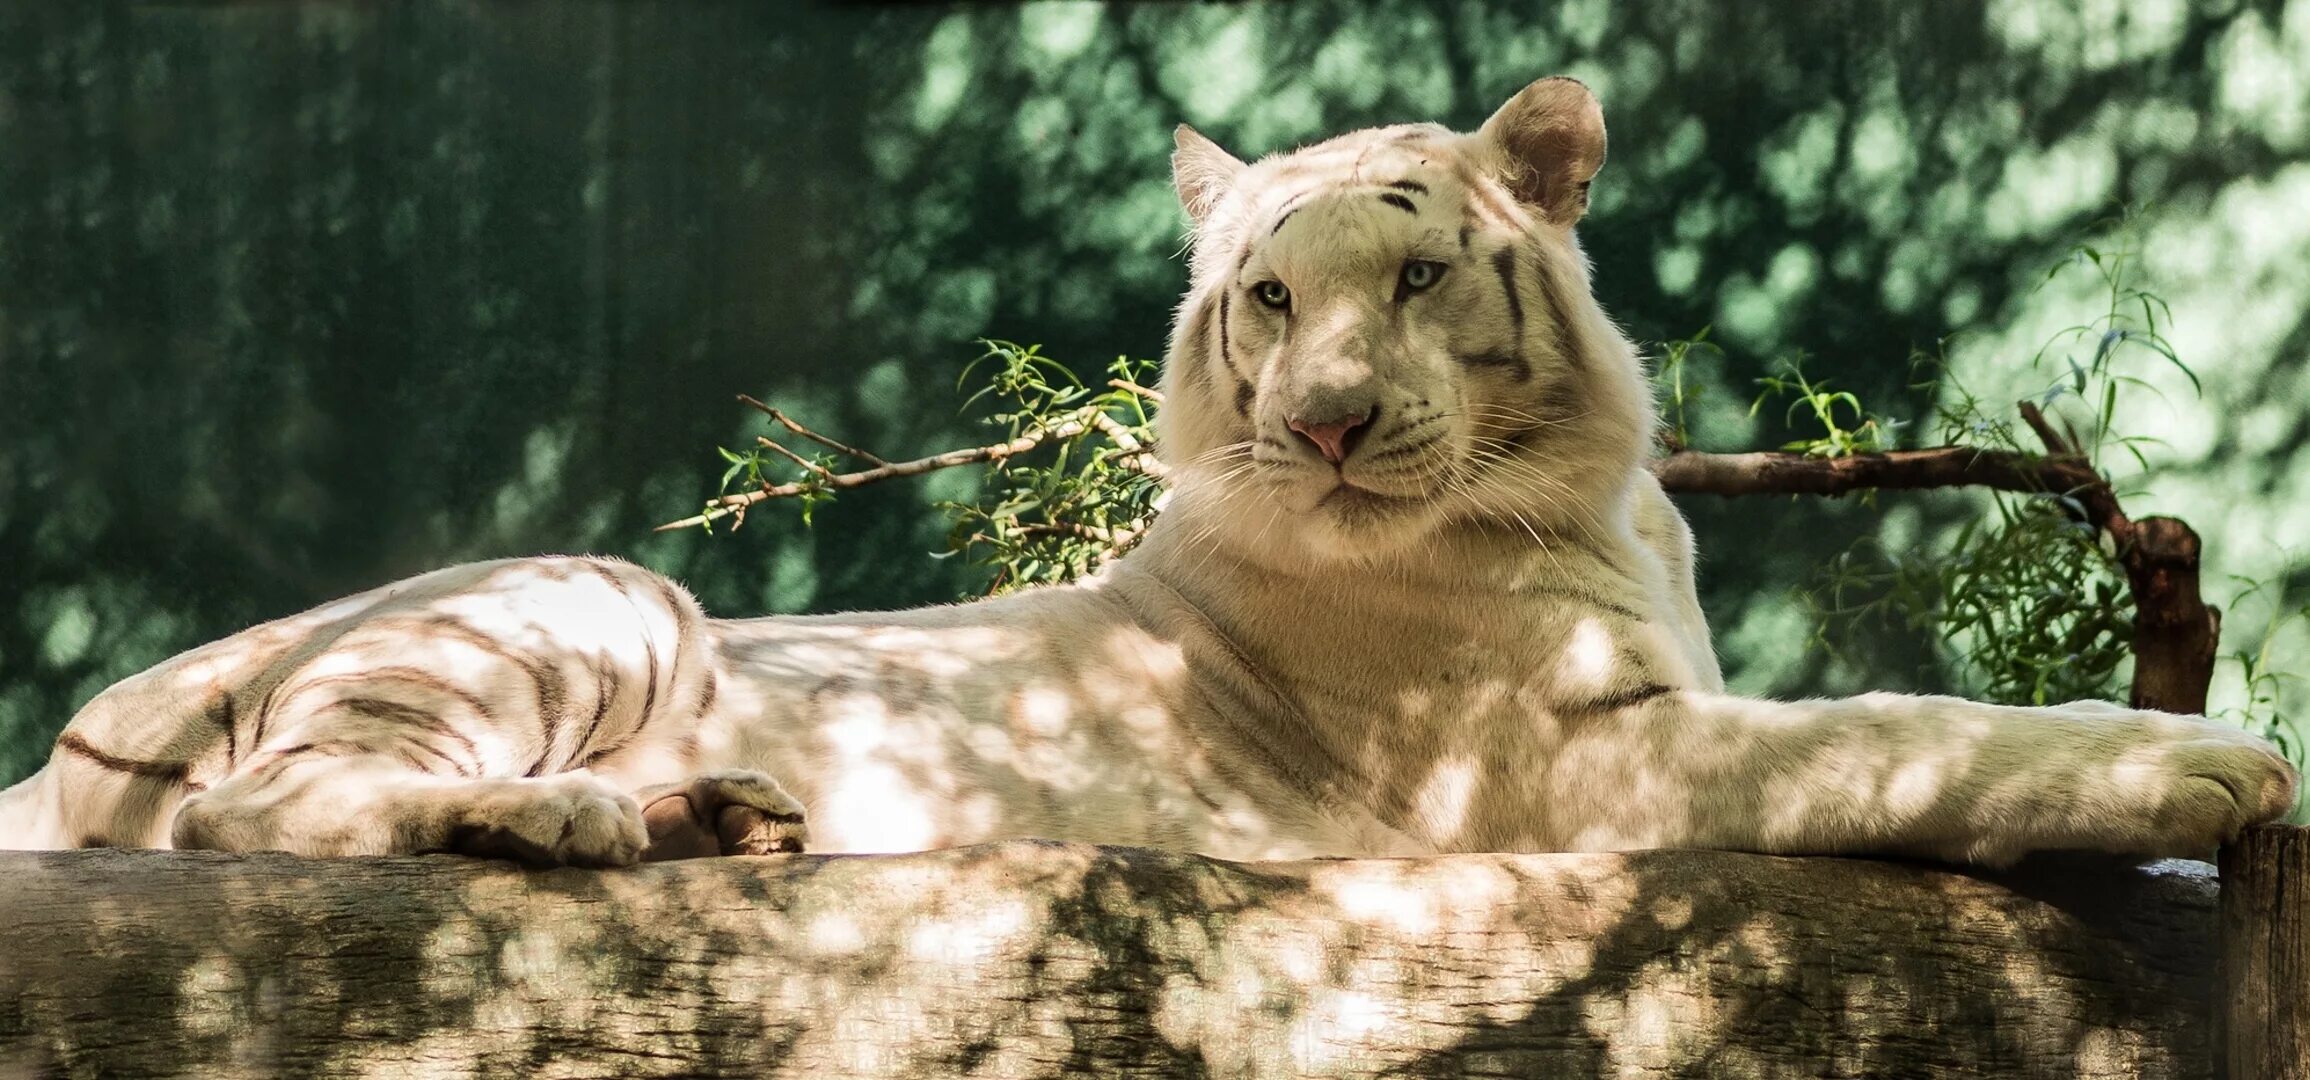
x=2179 y=786
x=2222 y=785
x=568 y=820
x=731 y=812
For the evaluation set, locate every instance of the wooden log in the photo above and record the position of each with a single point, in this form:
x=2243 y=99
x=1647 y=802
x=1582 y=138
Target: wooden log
x=1039 y=959
x=2265 y=1005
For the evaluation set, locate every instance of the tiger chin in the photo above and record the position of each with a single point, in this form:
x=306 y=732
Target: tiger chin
x=1414 y=592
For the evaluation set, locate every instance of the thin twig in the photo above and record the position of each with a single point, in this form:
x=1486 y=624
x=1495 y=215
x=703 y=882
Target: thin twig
x=795 y=427
x=2035 y=418
x=974 y=455
x=2098 y=502
x=768 y=444
x=1127 y=385
x=1135 y=454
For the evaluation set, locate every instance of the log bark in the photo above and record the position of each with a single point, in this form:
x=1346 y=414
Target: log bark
x=1039 y=959
x=2175 y=631
x=2266 y=954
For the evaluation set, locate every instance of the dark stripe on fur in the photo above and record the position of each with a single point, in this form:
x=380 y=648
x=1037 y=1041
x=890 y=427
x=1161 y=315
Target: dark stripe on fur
x=1568 y=339
x=1195 y=357
x=450 y=626
x=401 y=754
x=172 y=771
x=672 y=598
x=1289 y=208
x=412 y=716
x=1504 y=264
x=1413 y=186
x=355 y=748
x=546 y=680
x=611 y=575
x=1620 y=699
x=552 y=701
x=1226 y=356
x=1482 y=195
x=1399 y=202
x=709 y=695
x=674 y=608
x=264 y=711
x=606 y=683
x=1515 y=364
x=226 y=716
x=1589 y=600
x=649 y=685
x=1244 y=394
x=411 y=675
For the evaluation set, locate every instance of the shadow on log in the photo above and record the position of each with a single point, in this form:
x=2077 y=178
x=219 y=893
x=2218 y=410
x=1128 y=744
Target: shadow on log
x=1036 y=959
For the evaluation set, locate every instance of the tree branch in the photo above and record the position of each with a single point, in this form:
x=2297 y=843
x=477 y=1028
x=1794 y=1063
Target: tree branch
x=1691 y=472
x=1133 y=454
x=2175 y=632
x=790 y=425
x=974 y=455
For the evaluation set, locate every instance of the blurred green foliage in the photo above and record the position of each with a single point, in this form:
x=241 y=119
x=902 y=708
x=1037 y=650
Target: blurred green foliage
x=296 y=298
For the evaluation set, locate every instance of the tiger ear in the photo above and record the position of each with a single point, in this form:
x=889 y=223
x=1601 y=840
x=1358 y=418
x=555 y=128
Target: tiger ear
x=1548 y=142
x=1201 y=171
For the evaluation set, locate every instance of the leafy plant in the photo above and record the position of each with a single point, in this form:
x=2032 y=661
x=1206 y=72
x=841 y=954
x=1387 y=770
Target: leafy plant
x=1680 y=394
x=2028 y=607
x=2028 y=602
x=1864 y=433
x=2262 y=710
x=1071 y=484
x=1088 y=492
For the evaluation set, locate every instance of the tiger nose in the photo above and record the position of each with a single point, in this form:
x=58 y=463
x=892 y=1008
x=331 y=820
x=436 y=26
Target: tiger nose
x=1335 y=439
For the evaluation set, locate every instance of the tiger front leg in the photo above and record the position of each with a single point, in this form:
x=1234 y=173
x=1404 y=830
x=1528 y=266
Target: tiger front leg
x=315 y=802
x=1893 y=774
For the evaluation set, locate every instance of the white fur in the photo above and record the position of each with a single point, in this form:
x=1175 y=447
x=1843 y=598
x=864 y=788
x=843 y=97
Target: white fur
x=1477 y=631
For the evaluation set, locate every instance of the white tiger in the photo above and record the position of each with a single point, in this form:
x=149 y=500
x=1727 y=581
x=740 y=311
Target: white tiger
x=1414 y=592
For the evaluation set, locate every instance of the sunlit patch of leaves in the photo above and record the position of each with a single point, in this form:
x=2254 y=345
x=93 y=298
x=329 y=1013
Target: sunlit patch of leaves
x=2261 y=710
x=1681 y=394
x=1082 y=497
x=757 y=467
x=1846 y=428
x=1071 y=483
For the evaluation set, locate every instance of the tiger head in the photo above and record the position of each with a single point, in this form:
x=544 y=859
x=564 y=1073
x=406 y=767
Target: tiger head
x=1392 y=332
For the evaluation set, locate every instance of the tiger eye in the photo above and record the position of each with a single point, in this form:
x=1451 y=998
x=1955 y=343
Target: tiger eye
x=1273 y=294
x=1420 y=274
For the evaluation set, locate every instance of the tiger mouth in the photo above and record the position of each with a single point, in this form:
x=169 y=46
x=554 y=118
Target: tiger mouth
x=1347 y=497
